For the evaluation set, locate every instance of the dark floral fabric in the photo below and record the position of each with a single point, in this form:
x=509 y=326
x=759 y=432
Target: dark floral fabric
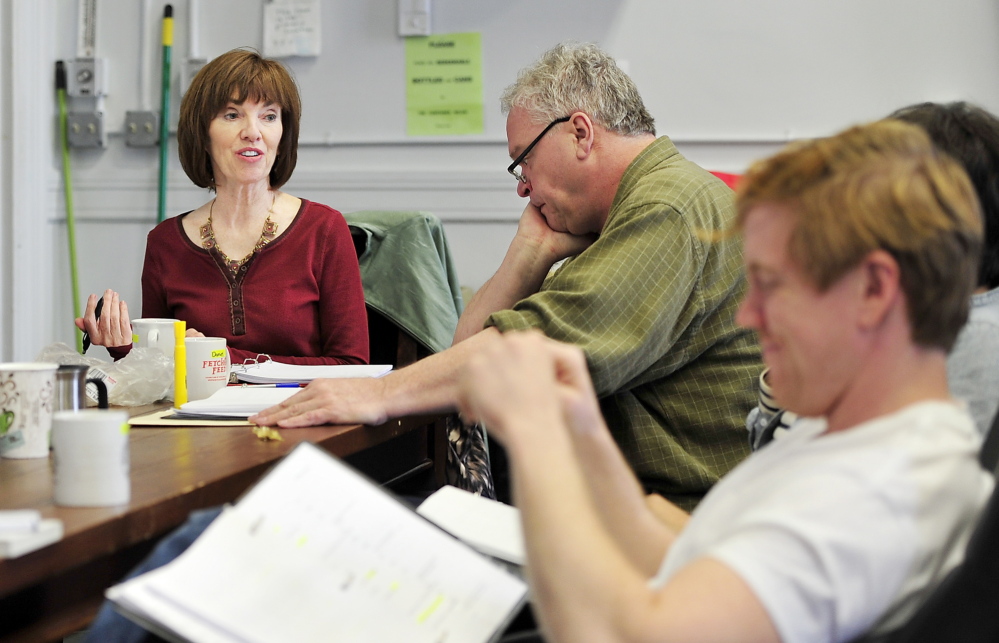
x=467 y=459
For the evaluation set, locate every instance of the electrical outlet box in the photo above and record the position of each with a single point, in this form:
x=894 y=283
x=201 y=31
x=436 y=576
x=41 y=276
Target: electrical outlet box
x=142 y=129
x=414 y=17
x=190 y=70
x=87 y=77
x=86 y=129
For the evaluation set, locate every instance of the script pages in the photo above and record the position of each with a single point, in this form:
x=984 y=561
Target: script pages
x=315 y=552
x=491 y=527
x=235 y=402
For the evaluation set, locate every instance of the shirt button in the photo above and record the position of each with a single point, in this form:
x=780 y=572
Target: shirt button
x=235 y=303
x=238 y=320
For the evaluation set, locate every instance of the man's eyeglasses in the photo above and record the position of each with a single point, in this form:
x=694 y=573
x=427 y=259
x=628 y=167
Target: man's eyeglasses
x=514 y=169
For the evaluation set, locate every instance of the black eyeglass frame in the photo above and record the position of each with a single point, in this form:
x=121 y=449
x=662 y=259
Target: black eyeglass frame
x=527 y=150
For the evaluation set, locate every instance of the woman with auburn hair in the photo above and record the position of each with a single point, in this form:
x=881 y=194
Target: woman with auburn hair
x=268 y=271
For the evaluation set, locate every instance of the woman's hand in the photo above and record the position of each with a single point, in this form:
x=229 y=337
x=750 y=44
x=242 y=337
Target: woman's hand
x=113 y=328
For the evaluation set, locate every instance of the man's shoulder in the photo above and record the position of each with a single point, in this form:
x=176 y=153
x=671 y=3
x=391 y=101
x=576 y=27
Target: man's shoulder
x=661 y=176
x=661 y=159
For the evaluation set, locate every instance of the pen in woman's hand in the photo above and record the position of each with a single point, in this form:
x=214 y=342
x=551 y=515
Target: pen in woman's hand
x=97 y=317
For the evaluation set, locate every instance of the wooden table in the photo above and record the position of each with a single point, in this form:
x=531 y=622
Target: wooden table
x=56 y=590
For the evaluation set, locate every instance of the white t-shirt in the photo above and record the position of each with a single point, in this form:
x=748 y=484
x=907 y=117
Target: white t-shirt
x=840 y=533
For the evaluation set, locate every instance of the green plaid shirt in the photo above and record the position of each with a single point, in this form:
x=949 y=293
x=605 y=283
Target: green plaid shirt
x=652 y=304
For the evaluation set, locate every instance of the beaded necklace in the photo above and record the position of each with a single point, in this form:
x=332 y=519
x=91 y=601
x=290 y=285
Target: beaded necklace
x=267 y=235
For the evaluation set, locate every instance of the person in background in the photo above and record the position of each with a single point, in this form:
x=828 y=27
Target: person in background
x=861 y=251
x=971 y=135
x=642 y=291
x=269 y=272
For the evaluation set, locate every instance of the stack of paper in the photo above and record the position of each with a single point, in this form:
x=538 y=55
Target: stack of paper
x=490 y=526
x=24 y=530
x=293 y=562
x=235 y=402
x=272 y=372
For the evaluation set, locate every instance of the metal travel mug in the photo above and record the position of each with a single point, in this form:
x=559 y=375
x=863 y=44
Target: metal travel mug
x=71 y=388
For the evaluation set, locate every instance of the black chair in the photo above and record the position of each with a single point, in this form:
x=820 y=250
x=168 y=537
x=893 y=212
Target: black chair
x=989 y=457
x=961 y=609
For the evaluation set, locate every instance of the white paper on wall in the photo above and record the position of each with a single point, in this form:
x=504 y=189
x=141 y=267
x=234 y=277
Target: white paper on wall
x=292 y=28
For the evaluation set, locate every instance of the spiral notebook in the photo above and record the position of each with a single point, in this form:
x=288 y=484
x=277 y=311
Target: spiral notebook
x=271 y=372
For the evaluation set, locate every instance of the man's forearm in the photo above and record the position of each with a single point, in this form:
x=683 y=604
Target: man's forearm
x=429 y=385
x=572 y=559
x=619 y=500
x=520 y=275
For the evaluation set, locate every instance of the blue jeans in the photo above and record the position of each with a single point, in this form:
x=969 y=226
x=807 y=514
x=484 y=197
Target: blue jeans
x=112 y=627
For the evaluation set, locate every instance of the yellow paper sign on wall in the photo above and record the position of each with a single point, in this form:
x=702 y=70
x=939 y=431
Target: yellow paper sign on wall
x=444 y=85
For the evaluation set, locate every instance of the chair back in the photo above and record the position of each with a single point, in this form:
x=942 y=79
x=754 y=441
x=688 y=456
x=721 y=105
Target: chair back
x=410 y=284
x=989 y=456
x=962 y=608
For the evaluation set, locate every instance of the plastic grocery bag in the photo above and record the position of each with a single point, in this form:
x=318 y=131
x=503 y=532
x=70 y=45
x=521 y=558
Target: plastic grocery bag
x=143 y=376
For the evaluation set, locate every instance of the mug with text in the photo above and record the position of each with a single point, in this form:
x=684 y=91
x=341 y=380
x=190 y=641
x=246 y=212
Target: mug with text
x=153 y=332
x=27 y=396
x=90 y=457
x=207 y=366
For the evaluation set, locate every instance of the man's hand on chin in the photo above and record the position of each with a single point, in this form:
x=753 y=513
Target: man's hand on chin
x=535 y=230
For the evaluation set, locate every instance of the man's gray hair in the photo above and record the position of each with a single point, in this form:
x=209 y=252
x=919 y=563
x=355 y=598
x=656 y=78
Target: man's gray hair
x=580 y=77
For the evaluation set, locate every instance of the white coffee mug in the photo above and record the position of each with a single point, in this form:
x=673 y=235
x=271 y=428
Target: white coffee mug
x=154 y=332
x=27 y=397
x=90 y=453
x=207 y=366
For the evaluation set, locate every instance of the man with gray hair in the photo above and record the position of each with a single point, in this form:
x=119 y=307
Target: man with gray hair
x=861 y=251
x=646 y=289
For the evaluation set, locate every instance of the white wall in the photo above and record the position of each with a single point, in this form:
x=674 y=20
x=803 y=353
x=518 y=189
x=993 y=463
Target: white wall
x=5 y=223
x=729 y=80
x=27 y=178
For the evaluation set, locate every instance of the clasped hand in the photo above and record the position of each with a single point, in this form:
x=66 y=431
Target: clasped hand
x=525 y=382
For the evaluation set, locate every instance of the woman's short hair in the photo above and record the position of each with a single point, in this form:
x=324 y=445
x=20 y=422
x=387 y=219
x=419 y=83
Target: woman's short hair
x=971 y=135
x=882 y=186
x=236 y=76
x=577 y=77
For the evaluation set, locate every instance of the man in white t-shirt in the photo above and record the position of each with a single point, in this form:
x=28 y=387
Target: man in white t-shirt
x=861 y=251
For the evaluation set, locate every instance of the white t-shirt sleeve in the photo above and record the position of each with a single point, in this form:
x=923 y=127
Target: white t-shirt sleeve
x=829 y=562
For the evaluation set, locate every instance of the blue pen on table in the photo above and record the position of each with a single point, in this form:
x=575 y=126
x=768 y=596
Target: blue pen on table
x=278 y=385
